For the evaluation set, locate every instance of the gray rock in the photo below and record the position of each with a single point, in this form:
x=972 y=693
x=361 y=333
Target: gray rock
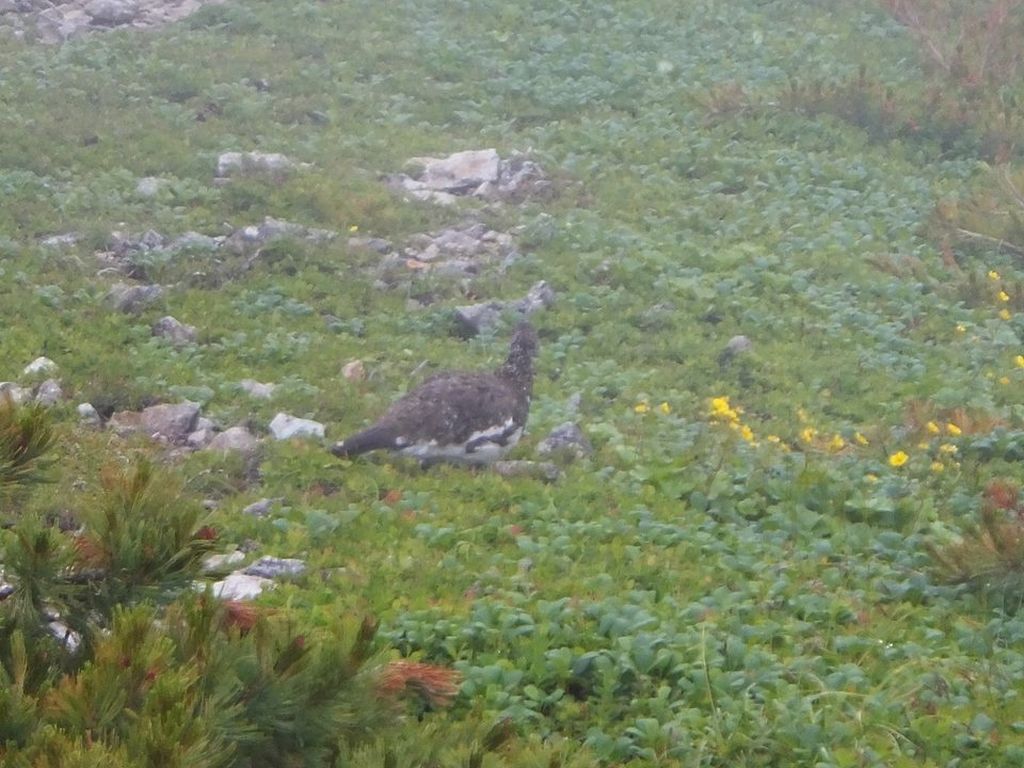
x=55 y=25
x=240 y=586
x=196 y=242
x=200 y=437
x=111 y=13
x=60 y=241
x=540 y=296
x=260 y=508
x=481 y=173
x=214 y=563
x=177 y=333
x=247 y=239
x=150 y=186
x=354 y=370
x=284 y=427
x=234 y=440
x=132 y=299
x=565 y=441
x=540 y=470
x=88 y=415
x=239 y=163
x=736 y=346
x=460 y=173
x=49 y=393
x=255 y=389
x=276 y=568
x=171 y=422
x=40 y=365
x=64 y=635
x=8 y=389
x=474 y=319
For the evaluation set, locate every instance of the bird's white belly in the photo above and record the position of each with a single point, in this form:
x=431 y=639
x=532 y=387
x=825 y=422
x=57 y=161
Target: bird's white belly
x=476 y=450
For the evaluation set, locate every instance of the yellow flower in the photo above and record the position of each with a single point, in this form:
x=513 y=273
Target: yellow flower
x=1003 y=296
x=747 y=433
x=773 y=439
x=871 y=478
x=665 y=408
x=354 y=228
x=948 y=448
x=801 y=414
x=1004 y=380
x=1019 y=361
x=861 y=440
x=938 y=466
x=641 y=407
x=932 y=427
x=922 y=446
x=1005 y=314
x=721 y=409
x=993 y=275
x=898 y=459
x=807 y=434
x=961 y=328
x=953 y=429
x=836 y=443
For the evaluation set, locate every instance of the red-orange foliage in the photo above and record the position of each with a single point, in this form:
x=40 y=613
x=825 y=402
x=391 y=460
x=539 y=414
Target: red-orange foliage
x=437 y=685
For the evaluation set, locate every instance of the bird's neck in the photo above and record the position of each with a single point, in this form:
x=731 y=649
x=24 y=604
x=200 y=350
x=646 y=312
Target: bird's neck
x=518 y=370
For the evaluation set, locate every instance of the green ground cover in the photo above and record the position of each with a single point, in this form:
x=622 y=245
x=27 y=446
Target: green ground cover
x=725 y=582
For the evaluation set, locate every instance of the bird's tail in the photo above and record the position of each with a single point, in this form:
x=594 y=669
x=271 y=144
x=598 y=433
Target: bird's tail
x=372 y=439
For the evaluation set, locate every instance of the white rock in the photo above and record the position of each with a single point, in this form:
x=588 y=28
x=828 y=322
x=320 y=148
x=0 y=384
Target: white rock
x=220 y=562
x=88 y=415
x=40 y=365
x=460 y=172
x=237 y=439
x=13 y=391
x=70 y=639
x=49 y=393
x=231 y=163
x=150 y=186
x=255 y=389
x=354 y=370
x=285 y=427
x=239 y=586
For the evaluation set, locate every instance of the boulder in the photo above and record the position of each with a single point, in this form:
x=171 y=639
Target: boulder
x=240 y=586
x=565 y=441
x=176 y=332
x=111 y=13
x=276 y=568
x=284 y=427
x=234 y=440
x=132 y=299
x=49 y=393
x=255 y=389
x=40 y=365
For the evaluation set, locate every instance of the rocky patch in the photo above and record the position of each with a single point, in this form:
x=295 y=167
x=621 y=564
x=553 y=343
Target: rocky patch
x=484 y=317
x=479 y=173
x=53 y=22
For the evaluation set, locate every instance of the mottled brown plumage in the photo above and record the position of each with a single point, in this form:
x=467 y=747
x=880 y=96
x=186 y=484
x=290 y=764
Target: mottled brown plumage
x=458 y=416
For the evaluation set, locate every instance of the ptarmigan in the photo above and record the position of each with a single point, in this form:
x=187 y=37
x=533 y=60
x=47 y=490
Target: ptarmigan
x=462 y=417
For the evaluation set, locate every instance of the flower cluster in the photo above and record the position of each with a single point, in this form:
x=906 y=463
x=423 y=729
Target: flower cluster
x=941 y=452
x=645 y=407
x=724 y=412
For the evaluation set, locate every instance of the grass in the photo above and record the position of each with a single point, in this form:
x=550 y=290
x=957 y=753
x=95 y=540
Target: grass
x=685 y=596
